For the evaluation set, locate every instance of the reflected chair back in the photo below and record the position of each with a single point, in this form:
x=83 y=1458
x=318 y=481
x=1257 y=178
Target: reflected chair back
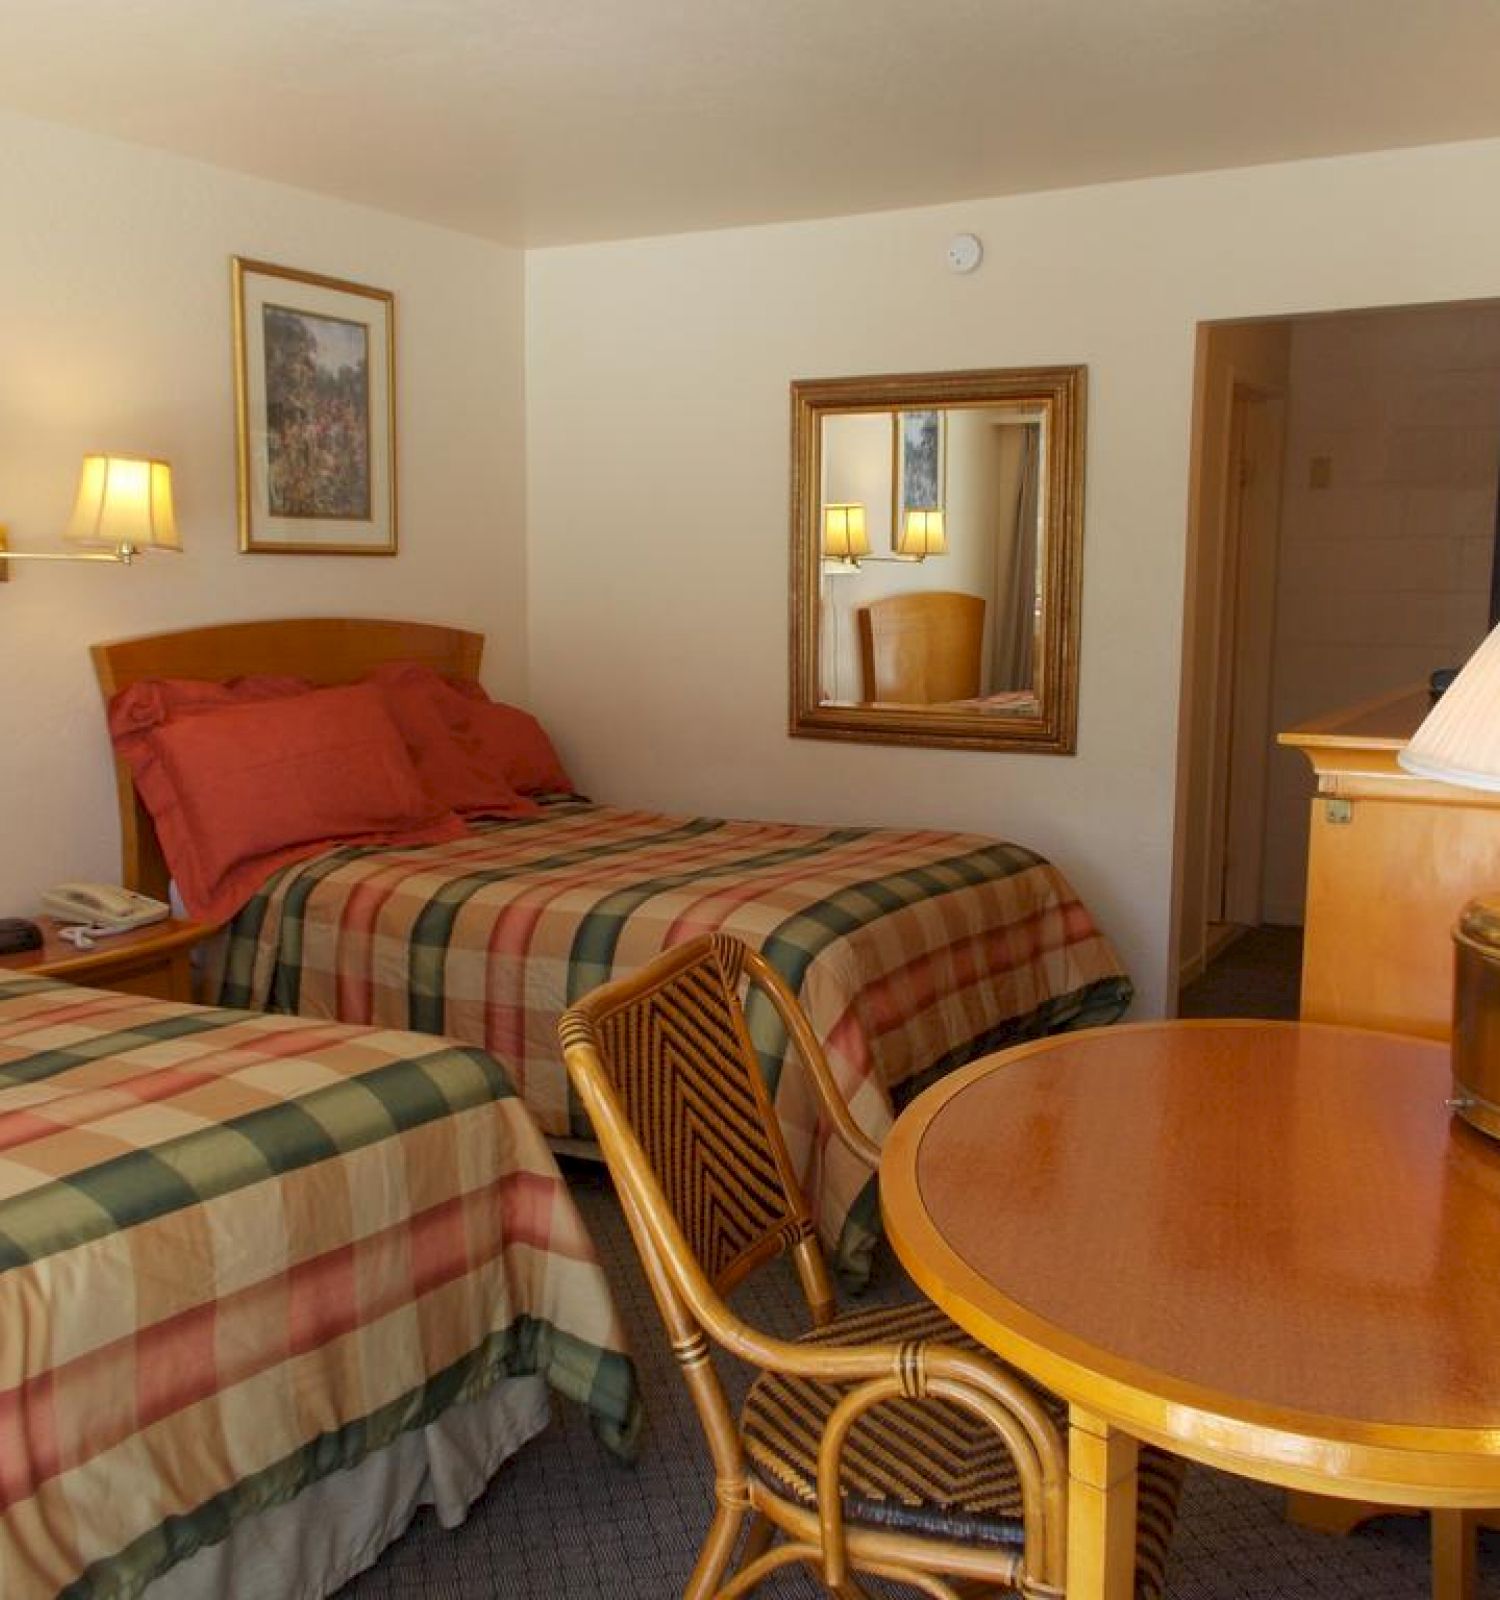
x=922 y=649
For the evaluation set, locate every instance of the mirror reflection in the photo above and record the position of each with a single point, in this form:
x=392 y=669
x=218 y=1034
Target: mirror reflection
x=936 y=524
x=931 y=539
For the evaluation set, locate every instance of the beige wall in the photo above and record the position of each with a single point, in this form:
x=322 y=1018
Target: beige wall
x=658 y=478
x=115 y=335
x=1385 y=572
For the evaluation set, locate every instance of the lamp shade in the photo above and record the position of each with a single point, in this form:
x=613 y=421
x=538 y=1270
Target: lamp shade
x=923 y=534
x=124 y=501
x=1459 y=739
x=844 y=535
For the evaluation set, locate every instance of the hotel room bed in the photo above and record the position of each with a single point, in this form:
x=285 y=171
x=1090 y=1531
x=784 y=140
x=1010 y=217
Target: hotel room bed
x=912 y=951
x=267 y=1285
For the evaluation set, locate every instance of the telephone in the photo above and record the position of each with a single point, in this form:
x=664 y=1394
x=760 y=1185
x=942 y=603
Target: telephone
x=104 y=906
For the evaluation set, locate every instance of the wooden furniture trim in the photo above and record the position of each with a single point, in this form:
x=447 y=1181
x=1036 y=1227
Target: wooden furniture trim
x=325 y=650
x=116 y=961
x=1353 y=751
x=1384 y=721
x=1402 y=1464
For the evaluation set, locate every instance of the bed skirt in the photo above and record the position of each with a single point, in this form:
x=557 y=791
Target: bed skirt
x=307 y=1548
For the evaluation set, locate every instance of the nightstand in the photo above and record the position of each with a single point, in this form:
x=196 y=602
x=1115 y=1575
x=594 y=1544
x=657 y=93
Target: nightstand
x=153 y=960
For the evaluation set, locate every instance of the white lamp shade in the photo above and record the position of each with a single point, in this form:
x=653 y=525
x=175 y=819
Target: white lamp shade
x=1459 y=740
x=124 y=500
x=844 y=535
x=923 y=534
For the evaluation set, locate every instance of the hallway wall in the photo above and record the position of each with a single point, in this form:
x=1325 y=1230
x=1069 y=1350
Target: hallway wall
x=1387 y=529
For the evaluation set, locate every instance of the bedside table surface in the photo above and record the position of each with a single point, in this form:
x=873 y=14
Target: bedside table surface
x=57 y=958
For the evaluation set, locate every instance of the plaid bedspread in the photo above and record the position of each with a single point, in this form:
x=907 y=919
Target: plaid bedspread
x=240 y=1252
x=910 y=951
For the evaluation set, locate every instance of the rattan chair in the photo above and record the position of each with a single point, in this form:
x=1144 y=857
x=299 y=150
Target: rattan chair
x=884 y=1442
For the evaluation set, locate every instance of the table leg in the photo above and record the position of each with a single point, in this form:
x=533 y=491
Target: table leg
x=1101 y=1509
x=1453 y=1555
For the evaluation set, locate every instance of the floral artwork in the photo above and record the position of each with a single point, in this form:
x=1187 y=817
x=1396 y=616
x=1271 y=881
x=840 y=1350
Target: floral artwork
x=317 y=415
x=314 y=367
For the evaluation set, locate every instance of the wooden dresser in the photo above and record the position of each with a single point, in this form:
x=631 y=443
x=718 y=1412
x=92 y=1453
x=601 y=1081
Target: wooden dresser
x=1391 y=860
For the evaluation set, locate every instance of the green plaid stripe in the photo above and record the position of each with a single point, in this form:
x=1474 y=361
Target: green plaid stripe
x=1089 y=1007
x=801 y=939
x=603 y=1380
x=138 y=1185
x=433 y=930
x=302 y=880
x=592 y=958
x=432 y=933
x=44 y=1063
x=1095 y=1004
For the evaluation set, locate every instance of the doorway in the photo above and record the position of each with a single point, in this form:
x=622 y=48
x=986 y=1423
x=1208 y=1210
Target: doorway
x=1341 y=545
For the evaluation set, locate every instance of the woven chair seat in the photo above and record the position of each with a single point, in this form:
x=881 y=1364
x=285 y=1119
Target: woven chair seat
x=925 y=1467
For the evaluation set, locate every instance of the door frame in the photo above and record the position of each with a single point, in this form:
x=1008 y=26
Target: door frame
x=1228 y=630
x=1251 y=526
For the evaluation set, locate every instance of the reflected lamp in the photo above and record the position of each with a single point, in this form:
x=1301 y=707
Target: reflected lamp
x=844 y=535
x=922 y=534
x=1459 y=743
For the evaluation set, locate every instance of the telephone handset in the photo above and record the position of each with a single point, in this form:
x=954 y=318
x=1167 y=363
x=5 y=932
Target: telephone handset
x=104 y=906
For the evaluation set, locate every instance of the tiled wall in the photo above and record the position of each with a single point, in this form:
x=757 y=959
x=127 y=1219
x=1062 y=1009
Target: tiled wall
x=1388 y=519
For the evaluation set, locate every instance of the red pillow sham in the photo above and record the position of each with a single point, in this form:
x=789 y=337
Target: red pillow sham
x=477 y=755
x=238 y=789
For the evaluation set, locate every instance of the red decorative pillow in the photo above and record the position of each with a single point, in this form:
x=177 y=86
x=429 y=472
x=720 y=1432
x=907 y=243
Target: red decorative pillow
x=239 y=789
x=474 y=753
x=153 y=702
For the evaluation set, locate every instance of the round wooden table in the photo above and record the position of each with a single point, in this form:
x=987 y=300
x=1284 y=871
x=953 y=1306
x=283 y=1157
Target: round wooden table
x=1265 y=1246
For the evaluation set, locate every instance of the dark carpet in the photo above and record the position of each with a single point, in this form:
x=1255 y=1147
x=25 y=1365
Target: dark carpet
x=563 y=1518
x=1258 y=975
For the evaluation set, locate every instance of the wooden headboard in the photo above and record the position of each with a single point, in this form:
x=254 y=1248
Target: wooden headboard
x=325 y=650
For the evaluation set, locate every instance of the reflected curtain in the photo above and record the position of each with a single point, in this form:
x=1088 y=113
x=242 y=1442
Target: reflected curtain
x=1013 y=646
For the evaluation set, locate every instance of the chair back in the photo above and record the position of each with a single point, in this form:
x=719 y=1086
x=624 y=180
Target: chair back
x=669 y=1050
x=664 y=1065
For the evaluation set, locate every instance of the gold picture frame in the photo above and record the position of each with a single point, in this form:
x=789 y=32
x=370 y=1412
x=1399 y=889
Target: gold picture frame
x=315 y=413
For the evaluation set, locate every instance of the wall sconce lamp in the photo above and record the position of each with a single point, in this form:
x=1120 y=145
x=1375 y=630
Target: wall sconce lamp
x=1459 y=743
x=922 y=535
x=124 y=506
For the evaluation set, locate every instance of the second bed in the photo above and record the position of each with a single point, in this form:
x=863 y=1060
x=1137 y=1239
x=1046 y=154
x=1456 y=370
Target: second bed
x=911 y=950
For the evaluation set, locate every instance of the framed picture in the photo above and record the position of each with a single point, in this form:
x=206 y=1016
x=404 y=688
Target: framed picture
x=315 y=412
x=920 y=466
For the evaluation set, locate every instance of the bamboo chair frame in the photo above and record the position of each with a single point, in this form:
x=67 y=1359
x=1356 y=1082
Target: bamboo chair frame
x=692 y=1307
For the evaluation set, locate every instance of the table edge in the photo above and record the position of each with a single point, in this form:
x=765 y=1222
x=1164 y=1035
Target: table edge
x=1420 y=1464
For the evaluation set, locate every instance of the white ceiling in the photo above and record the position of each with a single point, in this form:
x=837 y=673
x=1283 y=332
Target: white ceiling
x=554 y=121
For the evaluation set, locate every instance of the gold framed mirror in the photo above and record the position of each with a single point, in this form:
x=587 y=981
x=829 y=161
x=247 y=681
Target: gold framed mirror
x=937 y=539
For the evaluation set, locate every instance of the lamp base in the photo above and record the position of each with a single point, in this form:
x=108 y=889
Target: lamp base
x=1476 y=1015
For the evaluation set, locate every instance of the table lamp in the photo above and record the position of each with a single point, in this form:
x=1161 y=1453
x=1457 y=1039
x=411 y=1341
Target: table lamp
x=1459 y=743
